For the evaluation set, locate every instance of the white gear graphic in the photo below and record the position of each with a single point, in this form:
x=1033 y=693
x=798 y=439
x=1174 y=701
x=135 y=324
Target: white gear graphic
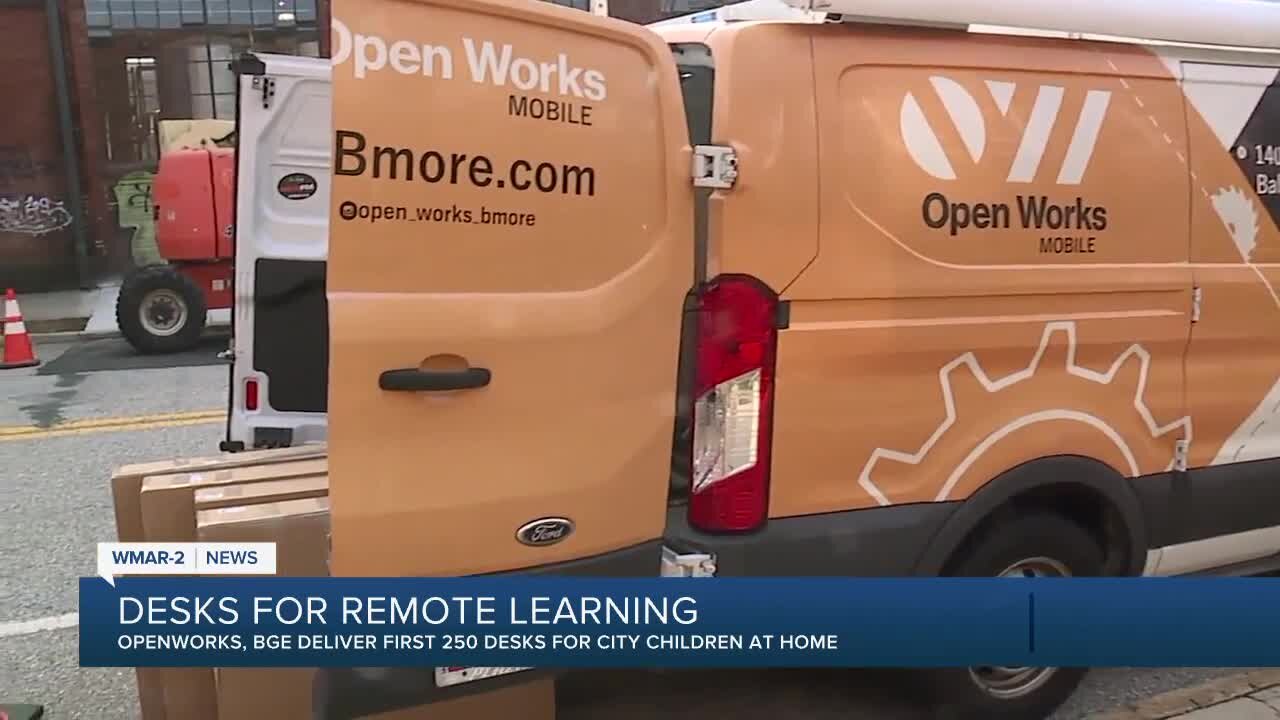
x=1144 y=421
x=1238 y=213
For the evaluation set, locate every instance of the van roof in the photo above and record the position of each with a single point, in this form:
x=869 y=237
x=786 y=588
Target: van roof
x=1238 y=25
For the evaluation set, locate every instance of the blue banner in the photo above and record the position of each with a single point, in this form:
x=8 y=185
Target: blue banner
x=659 y=622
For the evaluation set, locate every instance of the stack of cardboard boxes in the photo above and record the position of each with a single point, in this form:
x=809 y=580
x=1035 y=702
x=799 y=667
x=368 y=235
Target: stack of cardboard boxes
x=278 y=496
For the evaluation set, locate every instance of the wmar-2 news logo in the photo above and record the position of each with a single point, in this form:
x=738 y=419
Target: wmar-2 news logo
x=199 y=558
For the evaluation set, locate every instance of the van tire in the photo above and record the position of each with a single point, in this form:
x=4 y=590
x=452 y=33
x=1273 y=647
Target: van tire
x=175 y=305
x=1038 y=542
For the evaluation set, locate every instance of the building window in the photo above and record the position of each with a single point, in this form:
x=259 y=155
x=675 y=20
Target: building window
x=575 y=4
x=106 y=17
x=675 y=8
x=212 y=84
x=144 y=105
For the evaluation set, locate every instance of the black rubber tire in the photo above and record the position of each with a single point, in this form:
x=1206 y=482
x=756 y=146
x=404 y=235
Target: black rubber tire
x=956 y=695
x=136 y=286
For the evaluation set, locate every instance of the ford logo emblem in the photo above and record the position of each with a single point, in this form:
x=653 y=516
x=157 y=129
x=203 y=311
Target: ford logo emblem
x=545 y=531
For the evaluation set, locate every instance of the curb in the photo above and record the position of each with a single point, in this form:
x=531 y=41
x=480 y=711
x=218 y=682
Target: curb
x=55 y=335
x=1197 y=697
x=53 y=325
x=74 y=334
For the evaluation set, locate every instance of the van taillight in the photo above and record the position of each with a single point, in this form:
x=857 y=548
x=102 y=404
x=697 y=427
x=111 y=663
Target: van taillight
x=250 y=394
x=733 y=407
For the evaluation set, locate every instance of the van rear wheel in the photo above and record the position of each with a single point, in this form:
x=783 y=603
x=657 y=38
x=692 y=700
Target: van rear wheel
x=1034 y=545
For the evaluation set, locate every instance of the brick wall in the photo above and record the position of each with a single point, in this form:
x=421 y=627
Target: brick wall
x=37 y=250
x=107 y=255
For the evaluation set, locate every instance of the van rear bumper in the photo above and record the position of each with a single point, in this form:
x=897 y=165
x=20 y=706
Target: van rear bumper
x=877 y=542
x=341 y=693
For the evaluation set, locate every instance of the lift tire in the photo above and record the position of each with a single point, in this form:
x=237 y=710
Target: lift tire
x=956 y=693
x=160 y=310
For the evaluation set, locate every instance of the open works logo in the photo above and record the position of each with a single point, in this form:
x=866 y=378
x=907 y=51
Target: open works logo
x=483 y=61
x=969 y=122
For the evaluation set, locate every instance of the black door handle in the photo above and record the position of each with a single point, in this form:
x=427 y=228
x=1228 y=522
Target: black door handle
x=415 y=380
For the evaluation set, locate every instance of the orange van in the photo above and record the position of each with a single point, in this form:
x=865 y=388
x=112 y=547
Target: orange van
x=800 y=298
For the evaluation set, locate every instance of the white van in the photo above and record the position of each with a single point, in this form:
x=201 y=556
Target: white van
x=280 y=328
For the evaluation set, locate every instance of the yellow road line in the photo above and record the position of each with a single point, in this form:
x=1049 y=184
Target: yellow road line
x=112 y=424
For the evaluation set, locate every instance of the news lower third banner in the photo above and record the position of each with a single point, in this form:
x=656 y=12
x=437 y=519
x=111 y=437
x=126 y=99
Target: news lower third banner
x=667 y=622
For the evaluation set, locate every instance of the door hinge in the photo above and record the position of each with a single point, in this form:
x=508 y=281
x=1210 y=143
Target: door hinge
x=267 y=85
x=714 y=166
x=1180 y=450
x=1197 y=295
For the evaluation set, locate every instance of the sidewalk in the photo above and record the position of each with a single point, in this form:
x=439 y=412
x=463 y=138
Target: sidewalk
x=1248 y=696
x=84 y=312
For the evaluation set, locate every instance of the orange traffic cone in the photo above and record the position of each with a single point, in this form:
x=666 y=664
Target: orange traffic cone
x=18 y=352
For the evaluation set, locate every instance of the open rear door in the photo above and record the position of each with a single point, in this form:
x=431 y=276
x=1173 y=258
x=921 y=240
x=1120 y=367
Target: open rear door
x=280 y=343
x=511 y=242
x=510 y=245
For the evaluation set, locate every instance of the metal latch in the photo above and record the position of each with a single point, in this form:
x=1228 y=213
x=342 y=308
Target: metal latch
x=687 y=564
x=268 y=87
x=1180 y=450
x=714 y=166
x=1197 y=299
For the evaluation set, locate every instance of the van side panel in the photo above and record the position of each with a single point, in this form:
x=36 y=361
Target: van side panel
x=1231 y=500
x=1003 y=269
x=1236 y=236
x=767 y=225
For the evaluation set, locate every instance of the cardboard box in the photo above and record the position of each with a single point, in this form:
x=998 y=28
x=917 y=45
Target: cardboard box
x=300 y=529
x=531 y=701
x=126 y=481
x=169 y=515
x=245 y=693
x=285 y=693
x=221 y=496
x=126 y=485
x=168 y=501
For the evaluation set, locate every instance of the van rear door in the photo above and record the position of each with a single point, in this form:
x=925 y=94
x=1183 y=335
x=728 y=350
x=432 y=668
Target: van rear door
x=280 y=339
x=511 y=243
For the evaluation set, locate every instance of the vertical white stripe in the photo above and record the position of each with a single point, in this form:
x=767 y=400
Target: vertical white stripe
x=1036 y=137
x=1085 y=139
x=922 y=143
x=965 y=114
x=1002 y=93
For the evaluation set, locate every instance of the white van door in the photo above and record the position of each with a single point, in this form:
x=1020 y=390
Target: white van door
x=280 y=327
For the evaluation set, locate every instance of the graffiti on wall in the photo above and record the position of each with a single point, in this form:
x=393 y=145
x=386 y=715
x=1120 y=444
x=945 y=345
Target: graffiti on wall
x=17 y=163
x=29 y=214
x=133 y=205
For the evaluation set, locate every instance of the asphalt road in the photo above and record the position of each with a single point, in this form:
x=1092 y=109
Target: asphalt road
x=55 y=505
